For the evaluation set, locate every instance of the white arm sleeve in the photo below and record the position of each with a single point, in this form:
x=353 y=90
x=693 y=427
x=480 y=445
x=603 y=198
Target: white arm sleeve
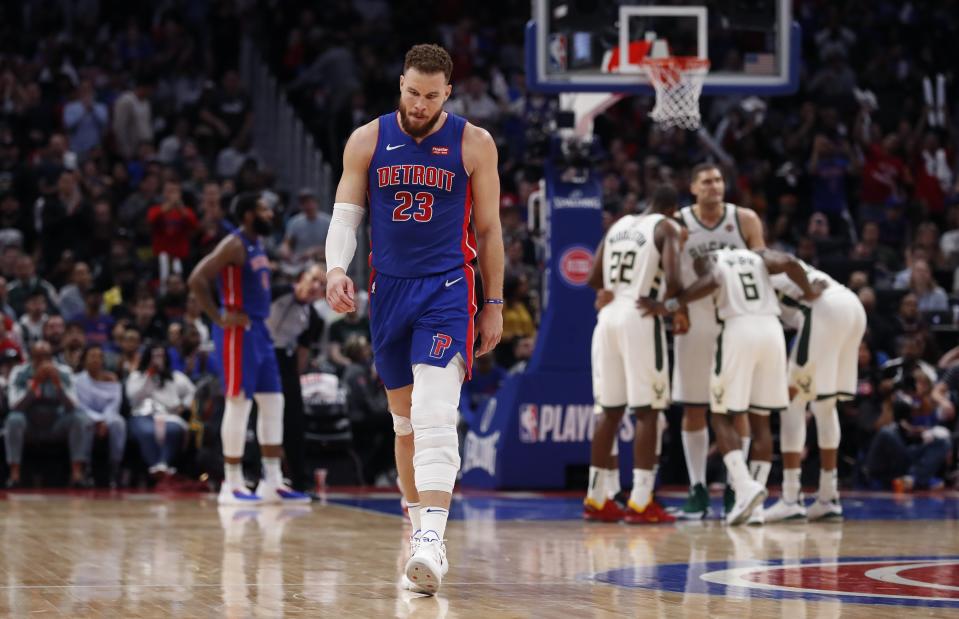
x=341 y=239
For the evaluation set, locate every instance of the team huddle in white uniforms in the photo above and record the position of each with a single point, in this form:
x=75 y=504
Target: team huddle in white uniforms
x=730 y=355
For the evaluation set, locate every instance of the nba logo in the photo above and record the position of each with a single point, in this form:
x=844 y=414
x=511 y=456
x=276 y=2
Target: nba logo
x=557 y=53
x=528 y=423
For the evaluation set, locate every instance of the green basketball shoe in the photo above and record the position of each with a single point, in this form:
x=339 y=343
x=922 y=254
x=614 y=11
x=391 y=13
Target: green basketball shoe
x=696 y=506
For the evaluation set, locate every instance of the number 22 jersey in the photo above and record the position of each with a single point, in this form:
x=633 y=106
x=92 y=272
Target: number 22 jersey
x=420 y=201
x=631 y=261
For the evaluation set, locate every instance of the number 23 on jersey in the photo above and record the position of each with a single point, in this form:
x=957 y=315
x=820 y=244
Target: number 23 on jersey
x=420 y=204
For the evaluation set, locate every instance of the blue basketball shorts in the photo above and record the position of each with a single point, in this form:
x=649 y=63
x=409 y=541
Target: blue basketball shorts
x=421 y=320
x=247 y=360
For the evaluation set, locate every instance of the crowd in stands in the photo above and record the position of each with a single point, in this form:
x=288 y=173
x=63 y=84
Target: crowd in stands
x=125 y=133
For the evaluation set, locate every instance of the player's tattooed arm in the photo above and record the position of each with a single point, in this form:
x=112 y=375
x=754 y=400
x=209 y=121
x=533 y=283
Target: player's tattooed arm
x=229 y=251
x=779 y=262
x=752 y=228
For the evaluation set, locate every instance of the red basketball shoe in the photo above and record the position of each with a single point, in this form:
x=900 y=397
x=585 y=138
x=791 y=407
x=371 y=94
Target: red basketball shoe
x=609 y=511
x=653 y=513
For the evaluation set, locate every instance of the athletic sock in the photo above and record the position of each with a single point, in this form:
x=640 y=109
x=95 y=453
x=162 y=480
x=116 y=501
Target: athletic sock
x=759 y=471
x=696 y=448
x=746 y=442
x=612 y=482
x=828 y=485
x=597 y=485
x=791 y=485
x=642 y=493
x=414 y=515
x=434 y=519
x=233 y=475
x=737 y=472
x=272 y=472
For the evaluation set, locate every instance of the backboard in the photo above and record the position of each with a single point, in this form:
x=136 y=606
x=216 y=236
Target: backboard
x=596 y=45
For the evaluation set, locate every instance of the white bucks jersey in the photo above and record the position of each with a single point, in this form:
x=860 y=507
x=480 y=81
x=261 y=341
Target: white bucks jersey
x=702 y=239
x=631 y=261
x=745 y=286
x=790 y=294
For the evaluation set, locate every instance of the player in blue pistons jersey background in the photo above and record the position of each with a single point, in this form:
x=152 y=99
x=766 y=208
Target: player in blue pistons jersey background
x=240 y=270
x=432 y=186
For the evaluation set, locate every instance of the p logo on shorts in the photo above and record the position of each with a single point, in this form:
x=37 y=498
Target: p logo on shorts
x=441 y=342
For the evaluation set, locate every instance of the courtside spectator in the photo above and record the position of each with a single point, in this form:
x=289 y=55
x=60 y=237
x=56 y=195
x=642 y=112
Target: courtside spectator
x=159 y=399
x=100 y=394
x=43 y=408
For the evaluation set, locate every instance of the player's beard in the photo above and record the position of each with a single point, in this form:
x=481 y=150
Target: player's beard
x=262 y=227
x=417 y=132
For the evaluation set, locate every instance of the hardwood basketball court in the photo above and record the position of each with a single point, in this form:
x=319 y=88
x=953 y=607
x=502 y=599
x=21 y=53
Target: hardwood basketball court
x=511 y=554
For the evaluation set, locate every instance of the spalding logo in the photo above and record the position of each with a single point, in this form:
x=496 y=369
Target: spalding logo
x=575 y=264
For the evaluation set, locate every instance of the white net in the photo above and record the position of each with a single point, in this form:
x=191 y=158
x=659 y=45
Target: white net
x=678 y=81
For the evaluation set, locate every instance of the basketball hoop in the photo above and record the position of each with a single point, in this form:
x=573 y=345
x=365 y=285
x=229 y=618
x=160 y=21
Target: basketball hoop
x=678 y=81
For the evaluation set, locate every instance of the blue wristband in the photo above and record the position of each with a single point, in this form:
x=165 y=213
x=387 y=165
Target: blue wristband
x=493 y=301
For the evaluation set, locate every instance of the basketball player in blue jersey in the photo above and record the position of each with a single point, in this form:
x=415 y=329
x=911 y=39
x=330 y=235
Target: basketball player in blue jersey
x=247 y=362
x=433 y=190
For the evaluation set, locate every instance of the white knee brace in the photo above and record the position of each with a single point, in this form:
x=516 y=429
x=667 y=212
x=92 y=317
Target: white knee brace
x=436 y=396
x=402 y=426
x=827 y=423
x=236 y=414
x=269 y=418
x=792 y=427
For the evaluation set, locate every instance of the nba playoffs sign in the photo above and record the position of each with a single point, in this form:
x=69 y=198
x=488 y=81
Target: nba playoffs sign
x=541 y=421
x=539 y=424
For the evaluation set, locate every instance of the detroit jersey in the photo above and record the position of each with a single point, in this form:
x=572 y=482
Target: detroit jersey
x=247 y=364
x=631 y=260
x=420 y=202
x=745 y=286
x=246 y=288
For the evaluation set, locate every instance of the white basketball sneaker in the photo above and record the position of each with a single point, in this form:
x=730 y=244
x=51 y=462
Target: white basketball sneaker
x=237 y=495
x=825 y=510
x=428 y=565
x=758 y=517
x=273 y=493
x=405 y=582
x=782 y=510
x=753 y=494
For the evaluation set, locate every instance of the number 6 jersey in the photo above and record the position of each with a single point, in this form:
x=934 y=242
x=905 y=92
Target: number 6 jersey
x=420 y=202
x=631 y=261
x=746 y=289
